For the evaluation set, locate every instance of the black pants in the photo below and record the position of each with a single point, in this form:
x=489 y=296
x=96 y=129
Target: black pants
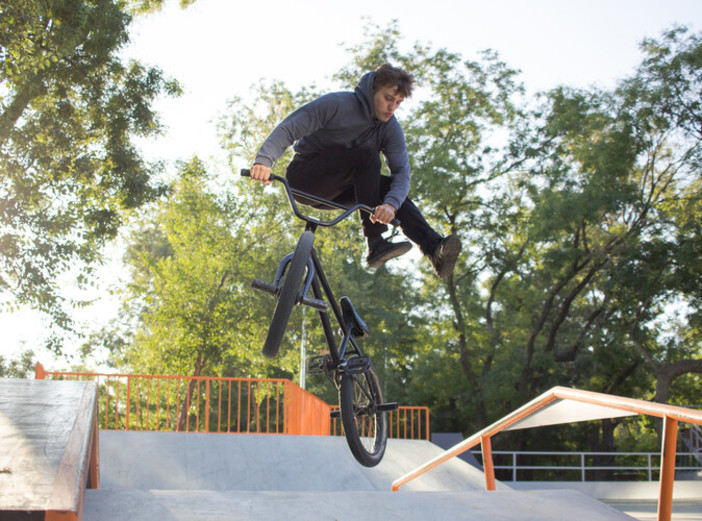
x=352 y=176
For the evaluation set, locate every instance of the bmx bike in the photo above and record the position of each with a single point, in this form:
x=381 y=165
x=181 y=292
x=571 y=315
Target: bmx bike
x=362 y=408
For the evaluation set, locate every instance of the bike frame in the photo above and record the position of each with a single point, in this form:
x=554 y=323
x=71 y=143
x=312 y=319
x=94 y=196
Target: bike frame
x=361 y=404
x=315 y=278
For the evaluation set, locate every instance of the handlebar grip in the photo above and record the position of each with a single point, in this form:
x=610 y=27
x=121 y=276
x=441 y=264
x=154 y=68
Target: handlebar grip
x=245 y=172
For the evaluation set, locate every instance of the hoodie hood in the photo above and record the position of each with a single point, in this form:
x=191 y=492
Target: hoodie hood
x=364 y=93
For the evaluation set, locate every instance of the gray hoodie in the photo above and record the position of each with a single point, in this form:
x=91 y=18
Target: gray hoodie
x=343 y=119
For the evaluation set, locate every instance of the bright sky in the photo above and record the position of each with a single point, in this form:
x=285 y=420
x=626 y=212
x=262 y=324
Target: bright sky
x=218 y=48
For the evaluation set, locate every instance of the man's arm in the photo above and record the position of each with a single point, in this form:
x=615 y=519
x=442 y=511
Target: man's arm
x=305 y=120
x=395 y=151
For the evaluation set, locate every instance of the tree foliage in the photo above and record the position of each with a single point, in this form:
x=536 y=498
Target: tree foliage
x=583 y=249
x=192 y=261
x=21 y=366
x=70 y=107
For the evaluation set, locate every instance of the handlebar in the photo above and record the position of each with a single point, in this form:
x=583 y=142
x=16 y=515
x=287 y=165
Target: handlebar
x=292 y=192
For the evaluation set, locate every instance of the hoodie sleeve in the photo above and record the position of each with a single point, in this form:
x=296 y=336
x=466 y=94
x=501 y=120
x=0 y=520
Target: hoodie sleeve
x=302 y=122
x=394 y=149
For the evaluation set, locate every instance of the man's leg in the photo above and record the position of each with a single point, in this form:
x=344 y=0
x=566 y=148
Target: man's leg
x=348 y=176
x=442 y=252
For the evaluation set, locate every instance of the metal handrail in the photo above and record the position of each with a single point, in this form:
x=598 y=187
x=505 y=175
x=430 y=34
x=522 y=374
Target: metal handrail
x=600 y=406
x=649 y=468
x=224 y=405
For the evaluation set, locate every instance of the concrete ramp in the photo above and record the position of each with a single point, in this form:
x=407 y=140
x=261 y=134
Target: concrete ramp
x=183 y=461
x=188 y=477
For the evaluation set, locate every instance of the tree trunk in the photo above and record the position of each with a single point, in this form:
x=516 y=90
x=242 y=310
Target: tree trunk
x=187 y=400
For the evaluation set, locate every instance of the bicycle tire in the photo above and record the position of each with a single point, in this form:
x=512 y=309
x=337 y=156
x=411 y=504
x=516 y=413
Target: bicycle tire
x=288 y=294
x=365 y=427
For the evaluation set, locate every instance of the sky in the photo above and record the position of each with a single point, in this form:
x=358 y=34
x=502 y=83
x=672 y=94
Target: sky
x=218 y=49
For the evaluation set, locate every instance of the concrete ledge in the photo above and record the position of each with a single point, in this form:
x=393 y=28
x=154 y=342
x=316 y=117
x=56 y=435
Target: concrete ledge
x=48 y=447
x=614 y=489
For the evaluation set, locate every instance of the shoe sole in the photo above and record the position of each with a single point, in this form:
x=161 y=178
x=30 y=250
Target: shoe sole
x=449 y=255
x=390 y=254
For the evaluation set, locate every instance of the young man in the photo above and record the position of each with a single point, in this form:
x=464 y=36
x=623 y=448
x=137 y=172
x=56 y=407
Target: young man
x=338 y=139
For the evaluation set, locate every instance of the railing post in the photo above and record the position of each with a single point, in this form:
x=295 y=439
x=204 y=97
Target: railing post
x=129 y=395
x=427 y=424
x=665 y=497
x=207 y=405
x=488 y=466
x=39 y=373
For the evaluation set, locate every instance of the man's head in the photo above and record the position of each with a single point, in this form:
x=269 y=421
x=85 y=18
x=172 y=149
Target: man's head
x=391 y=85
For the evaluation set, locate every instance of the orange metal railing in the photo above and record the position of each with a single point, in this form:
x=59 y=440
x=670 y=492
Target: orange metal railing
x=407 y=423
x=223 y=405
x=580 y=405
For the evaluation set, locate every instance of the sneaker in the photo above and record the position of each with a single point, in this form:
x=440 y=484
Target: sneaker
x=382 y=251
x=445 y=255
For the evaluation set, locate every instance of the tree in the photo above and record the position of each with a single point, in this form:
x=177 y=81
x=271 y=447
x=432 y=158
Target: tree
x=69 y=111
x=598 y=251
x=191 y=306
x=20 y=367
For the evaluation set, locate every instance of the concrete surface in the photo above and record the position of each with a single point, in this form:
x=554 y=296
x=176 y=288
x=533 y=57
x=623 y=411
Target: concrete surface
x=647 y=510
x=617 y=490
x=196 y=461
x=37 y=421
x=212 y=477
x=207 y=505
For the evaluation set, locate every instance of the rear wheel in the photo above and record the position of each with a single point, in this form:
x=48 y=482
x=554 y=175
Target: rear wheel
x=288 y=294
x=365 y=426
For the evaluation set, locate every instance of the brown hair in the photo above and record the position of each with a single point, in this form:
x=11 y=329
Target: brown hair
x=386 y=74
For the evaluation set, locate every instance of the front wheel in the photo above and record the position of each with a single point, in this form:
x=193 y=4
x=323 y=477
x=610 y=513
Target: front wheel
x=365 y=426
x=288 y=294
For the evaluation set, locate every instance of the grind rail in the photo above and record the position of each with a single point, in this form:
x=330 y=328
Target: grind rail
x=563 y=405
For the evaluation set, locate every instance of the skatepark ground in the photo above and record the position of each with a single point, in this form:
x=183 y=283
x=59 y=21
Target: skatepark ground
x=196 y=476
x=182 y=476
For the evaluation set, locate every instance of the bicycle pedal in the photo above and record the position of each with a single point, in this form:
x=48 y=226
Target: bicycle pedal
x=335 y=414
x=318 y=364
x=357 y=364
x=387 y=407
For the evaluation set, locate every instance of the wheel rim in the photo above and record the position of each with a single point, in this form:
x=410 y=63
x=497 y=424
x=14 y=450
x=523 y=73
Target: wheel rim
x=365 y=414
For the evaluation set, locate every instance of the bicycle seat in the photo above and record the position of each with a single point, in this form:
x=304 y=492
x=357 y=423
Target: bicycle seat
x=359 y=328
